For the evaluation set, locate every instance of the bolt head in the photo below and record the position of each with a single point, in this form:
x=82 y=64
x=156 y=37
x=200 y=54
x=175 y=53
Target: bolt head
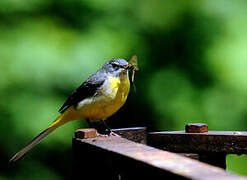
x=86 y=133
x=196 y=128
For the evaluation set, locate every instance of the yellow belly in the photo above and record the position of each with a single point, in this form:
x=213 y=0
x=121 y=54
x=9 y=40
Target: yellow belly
x=110 y=99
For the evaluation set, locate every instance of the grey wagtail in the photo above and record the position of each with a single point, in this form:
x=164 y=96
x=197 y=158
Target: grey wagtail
x=100 y=96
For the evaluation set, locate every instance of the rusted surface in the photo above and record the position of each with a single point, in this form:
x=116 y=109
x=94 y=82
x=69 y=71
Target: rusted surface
x=229 y=142
x=86 y=133
x=136 y=134
x=196 y=128
x=116 y=154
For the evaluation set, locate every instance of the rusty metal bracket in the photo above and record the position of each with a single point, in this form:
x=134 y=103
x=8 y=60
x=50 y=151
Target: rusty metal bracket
x=119 y=158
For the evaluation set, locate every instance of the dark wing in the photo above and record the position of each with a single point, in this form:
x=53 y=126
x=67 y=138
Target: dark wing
x=86 y=89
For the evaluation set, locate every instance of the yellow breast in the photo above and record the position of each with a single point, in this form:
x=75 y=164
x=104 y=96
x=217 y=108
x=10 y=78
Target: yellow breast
x=111 y=96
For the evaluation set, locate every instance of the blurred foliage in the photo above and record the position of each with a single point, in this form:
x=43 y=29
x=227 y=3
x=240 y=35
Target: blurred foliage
x=192 y=58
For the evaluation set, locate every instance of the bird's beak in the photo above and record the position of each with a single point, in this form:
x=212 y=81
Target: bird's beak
x=127 y=67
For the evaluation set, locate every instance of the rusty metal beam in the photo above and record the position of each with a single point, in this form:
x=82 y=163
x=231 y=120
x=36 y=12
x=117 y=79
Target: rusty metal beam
x=228 y=142
x=119 y=158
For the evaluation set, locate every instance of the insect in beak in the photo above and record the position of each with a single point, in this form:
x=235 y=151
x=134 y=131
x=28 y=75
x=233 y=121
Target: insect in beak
x=134 y=67
x=127 y=67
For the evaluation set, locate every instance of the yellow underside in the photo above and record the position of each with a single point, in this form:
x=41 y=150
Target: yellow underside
x=104 y=105
x=110 y=99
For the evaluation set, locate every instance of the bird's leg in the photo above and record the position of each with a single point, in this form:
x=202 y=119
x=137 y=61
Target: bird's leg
x=98 y=127
x=90 y=124
x=108 y=129
x=102 y=128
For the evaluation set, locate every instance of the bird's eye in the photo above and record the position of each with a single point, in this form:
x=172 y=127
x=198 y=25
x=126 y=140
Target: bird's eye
x=115 y=65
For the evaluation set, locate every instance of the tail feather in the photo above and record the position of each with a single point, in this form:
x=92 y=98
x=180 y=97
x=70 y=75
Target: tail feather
x=31 y=144
x=65 y=117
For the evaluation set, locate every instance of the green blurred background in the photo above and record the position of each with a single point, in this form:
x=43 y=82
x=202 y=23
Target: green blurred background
x=192 y=58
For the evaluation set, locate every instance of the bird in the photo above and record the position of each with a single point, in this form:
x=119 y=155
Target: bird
x=96 y=99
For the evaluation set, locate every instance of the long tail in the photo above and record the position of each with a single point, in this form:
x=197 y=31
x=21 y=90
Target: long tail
x=65 y=117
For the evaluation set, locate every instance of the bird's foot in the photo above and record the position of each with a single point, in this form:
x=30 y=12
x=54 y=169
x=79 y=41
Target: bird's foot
x=113 y=134
x=102 y=135
x=108 y=135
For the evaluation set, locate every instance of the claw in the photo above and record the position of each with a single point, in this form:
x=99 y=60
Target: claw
x=102 y=135
x=108 y=135
x=113 y=134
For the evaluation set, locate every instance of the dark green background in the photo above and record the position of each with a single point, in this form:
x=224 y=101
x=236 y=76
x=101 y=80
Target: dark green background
x=192 y=58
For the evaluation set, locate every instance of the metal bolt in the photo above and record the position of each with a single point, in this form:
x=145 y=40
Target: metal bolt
x=86 y=133
x=196 y=128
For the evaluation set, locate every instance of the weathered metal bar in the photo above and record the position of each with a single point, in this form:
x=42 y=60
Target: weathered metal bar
x=90 y=162
x=228 y=142
x=119 y=158
x=96 y=164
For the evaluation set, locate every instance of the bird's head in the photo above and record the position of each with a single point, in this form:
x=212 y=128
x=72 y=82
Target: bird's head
x=116 y=66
